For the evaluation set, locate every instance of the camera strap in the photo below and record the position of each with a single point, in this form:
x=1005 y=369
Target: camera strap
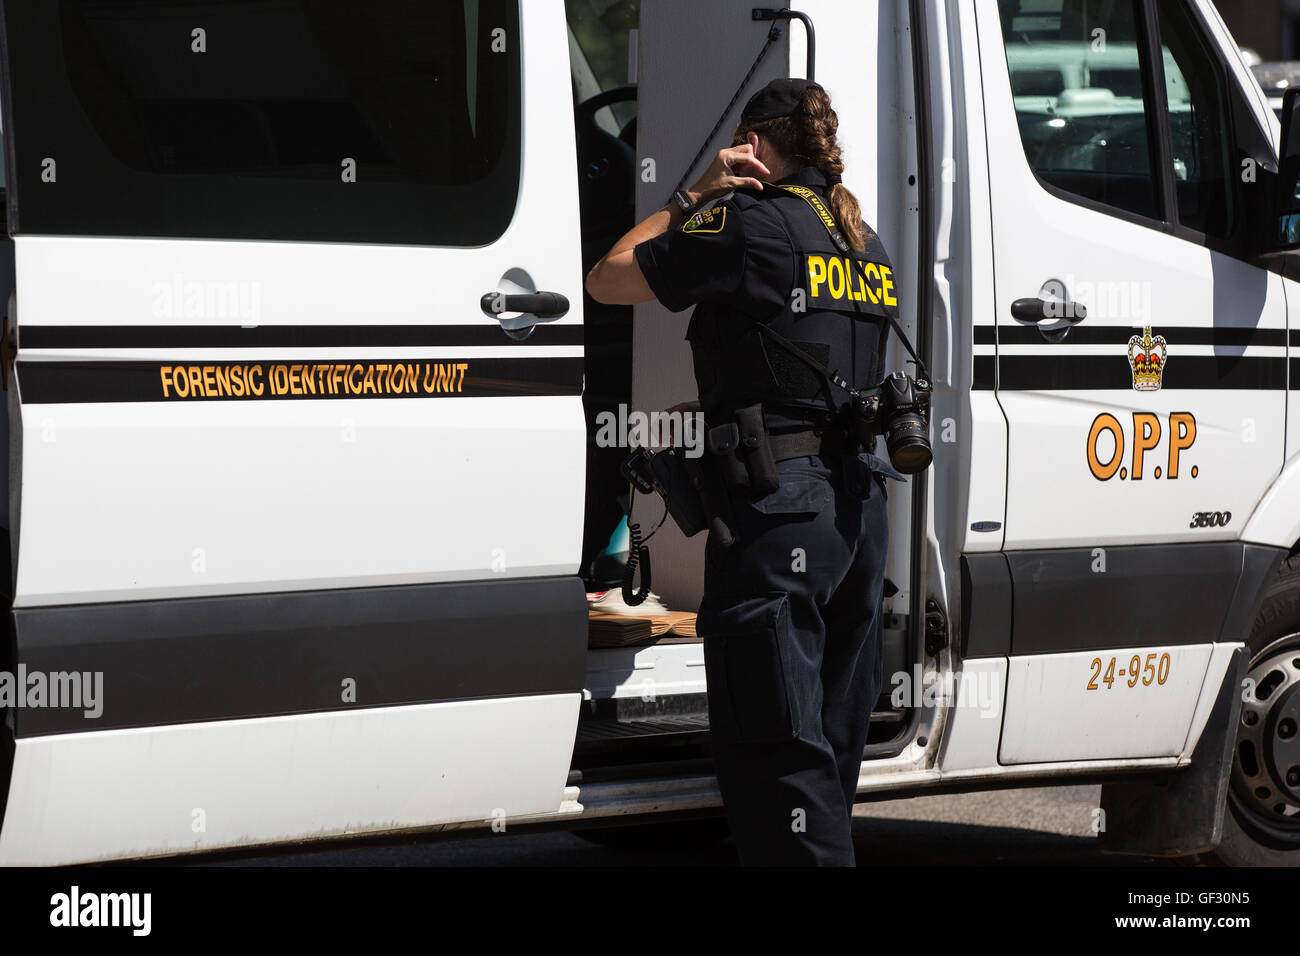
x=837 y=238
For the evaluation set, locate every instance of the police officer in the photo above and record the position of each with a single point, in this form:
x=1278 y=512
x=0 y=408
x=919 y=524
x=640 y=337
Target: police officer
x=795 y=560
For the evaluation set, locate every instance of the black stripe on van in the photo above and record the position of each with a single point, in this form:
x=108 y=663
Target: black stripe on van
x=1219 y=337
x=1096 y=372
x=1053 y=601
x=261 y=655
x=46 y=383
x=486 y=333
x=1150 y=595
x=1110 y=335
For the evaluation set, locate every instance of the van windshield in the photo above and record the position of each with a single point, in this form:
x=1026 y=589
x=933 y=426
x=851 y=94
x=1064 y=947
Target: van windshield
x=604 y=33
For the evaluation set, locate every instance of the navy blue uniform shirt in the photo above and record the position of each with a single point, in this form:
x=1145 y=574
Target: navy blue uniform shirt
x=743 y=260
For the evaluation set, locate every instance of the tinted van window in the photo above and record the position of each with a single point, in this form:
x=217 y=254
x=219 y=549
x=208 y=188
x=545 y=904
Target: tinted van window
x=1076 y=75
x=323 y=120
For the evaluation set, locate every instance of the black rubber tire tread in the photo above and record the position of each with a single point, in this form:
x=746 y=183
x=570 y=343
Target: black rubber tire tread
x=1279 y=616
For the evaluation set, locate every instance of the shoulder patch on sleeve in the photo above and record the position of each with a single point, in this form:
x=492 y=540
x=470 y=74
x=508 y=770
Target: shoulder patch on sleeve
x=706 y=221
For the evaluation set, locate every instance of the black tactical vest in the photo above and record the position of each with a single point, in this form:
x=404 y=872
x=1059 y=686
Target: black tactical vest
x=834 y=313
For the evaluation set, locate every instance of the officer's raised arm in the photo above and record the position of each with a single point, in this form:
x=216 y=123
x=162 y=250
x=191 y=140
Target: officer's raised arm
x=618 y=278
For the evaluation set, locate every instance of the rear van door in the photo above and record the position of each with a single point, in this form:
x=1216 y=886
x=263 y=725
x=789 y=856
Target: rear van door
x=297 y=479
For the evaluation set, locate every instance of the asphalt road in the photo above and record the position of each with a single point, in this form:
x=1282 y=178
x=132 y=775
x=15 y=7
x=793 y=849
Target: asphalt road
x=1049 y=825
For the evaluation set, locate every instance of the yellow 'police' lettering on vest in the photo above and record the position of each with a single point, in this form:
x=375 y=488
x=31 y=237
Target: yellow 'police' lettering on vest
x=834 y=282
x=706 y=220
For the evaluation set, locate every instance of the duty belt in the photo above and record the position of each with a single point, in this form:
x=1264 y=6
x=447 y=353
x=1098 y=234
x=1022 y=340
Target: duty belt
x=832 y=441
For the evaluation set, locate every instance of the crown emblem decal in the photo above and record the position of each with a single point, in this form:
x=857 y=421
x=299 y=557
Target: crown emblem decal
x=1146 y=356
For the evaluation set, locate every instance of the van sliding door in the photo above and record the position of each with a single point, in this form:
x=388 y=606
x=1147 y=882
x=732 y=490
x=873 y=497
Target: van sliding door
x=304 y=502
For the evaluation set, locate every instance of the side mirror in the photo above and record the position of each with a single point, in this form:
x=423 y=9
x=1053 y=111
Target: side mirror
x=1286 y=234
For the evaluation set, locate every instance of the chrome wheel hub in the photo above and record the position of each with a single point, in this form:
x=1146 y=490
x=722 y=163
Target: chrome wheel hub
x=1266 y=766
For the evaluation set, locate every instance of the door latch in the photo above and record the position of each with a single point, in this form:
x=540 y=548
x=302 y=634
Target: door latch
x=936 y=628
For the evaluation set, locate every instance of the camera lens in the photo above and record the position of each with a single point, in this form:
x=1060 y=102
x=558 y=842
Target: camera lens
x=909 y=443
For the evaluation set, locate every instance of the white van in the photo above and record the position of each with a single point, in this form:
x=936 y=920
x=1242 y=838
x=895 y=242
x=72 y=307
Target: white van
x=301 y=523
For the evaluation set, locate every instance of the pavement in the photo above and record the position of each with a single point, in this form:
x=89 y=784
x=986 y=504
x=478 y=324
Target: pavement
x=1040 y=825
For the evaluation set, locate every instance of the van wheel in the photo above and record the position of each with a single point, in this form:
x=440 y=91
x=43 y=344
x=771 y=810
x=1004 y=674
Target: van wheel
x=1261 y=825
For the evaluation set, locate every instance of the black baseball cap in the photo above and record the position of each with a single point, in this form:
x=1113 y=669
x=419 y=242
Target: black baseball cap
x=779 y=98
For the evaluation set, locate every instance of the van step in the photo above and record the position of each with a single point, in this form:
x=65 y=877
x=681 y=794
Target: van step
x=609 y=742
x=591 y=731
x=598 y=731
x=610 y=748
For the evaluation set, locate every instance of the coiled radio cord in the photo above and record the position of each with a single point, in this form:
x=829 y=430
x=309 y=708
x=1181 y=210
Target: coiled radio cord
x=638 y=556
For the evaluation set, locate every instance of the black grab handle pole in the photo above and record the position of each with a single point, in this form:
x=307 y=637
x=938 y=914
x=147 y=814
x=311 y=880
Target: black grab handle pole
x=785 y=13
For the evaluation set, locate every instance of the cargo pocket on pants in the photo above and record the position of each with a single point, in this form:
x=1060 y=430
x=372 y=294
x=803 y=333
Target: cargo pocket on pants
x=754 y=671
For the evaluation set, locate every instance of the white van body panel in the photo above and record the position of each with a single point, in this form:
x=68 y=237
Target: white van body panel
x=1277 y=519
x=165 y=514
x=158 y=791
x=1056 y=710
x=975 y=721
x=127 y=501
x=1129 y=276
x=1216 y=672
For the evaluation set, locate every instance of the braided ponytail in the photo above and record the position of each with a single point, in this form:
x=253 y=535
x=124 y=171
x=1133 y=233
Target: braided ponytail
x=808 y=138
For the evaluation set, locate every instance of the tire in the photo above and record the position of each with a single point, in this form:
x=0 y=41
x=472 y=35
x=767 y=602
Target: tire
x=1254 y=833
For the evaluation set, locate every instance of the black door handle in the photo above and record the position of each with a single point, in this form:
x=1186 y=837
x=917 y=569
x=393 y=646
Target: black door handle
x=544 y=305
x=1036 y=310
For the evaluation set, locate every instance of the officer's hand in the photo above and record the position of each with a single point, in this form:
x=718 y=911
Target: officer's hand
x=733 y=168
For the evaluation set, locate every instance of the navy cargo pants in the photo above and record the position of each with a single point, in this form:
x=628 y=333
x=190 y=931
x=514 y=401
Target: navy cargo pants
x=791 y=625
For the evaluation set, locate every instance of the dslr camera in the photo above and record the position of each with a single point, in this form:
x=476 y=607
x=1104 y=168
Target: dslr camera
x=898 y=408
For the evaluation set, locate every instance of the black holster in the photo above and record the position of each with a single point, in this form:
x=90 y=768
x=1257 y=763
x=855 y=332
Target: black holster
x=742 y=455
x=739 y=459
x=757 y=452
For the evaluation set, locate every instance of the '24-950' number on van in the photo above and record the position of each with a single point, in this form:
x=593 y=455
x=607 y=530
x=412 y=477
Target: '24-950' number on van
x=1136 y=670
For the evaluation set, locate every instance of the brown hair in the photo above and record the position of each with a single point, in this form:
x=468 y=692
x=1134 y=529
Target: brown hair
x=808 y=138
